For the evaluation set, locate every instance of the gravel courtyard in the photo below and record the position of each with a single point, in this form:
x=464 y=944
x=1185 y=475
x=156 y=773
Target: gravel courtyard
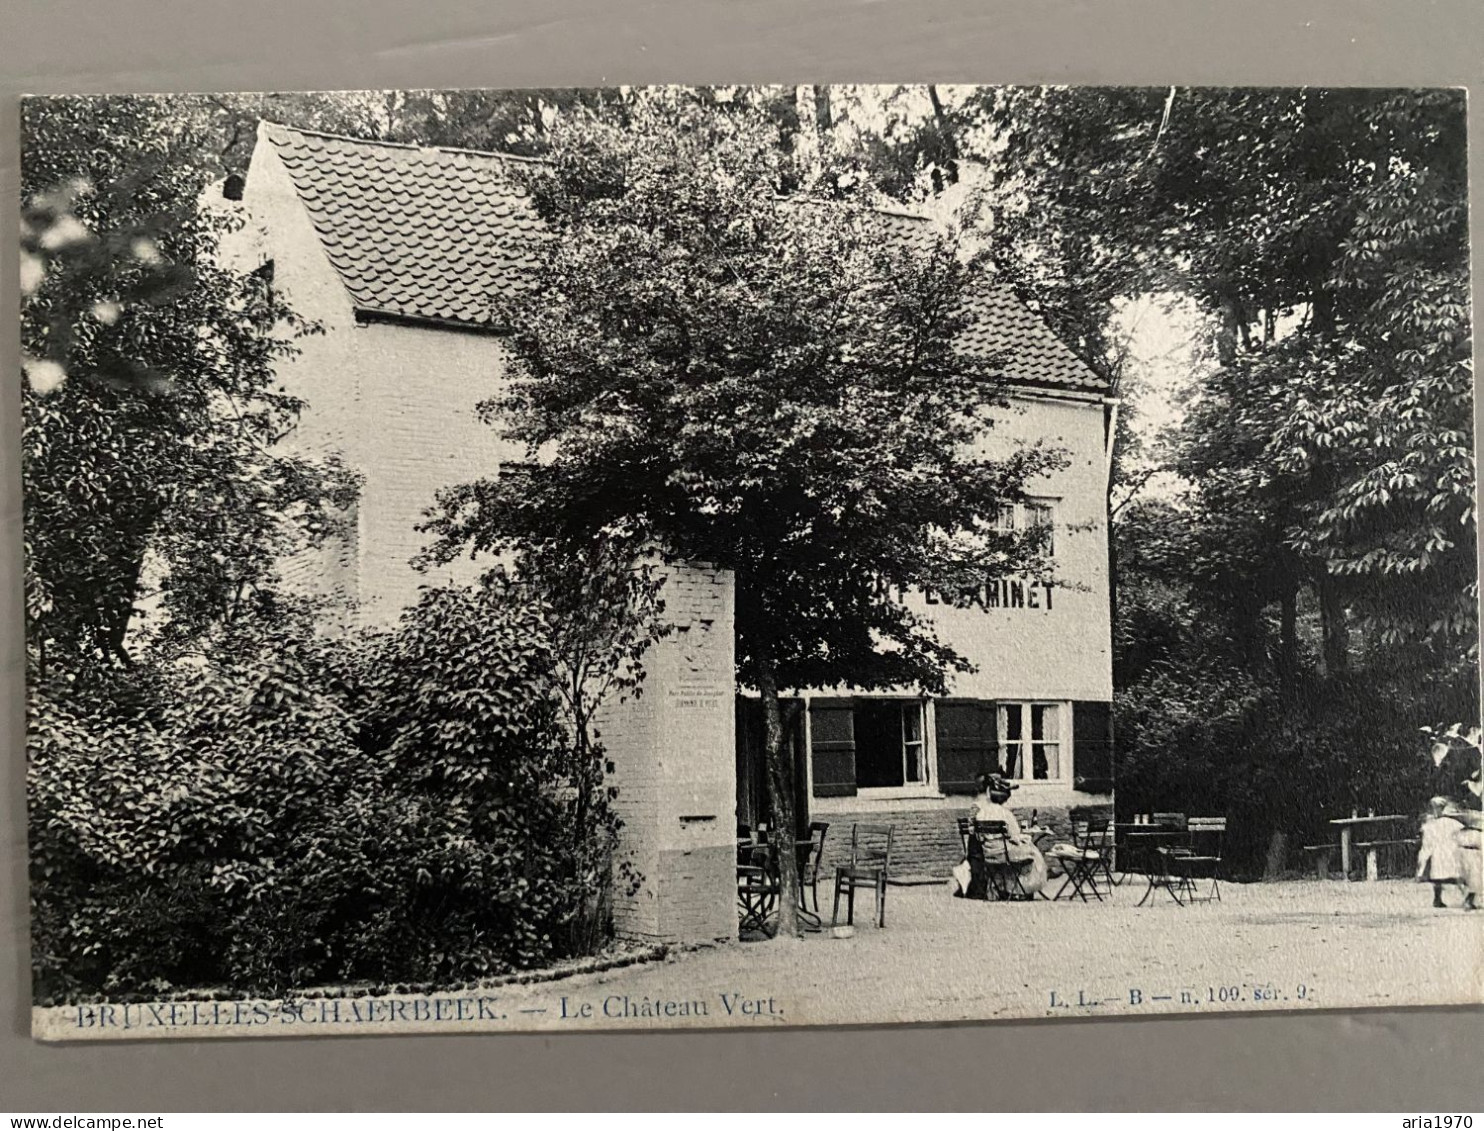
x=1289 y=945
x=1277 y=945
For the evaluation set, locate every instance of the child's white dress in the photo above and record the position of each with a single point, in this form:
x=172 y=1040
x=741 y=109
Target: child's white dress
x=1450 y=853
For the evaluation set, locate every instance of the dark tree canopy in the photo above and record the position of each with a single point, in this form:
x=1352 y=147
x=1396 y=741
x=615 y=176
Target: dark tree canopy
x=1325 y=233
x=151 y=410
x=712 y=369
x=764 y=383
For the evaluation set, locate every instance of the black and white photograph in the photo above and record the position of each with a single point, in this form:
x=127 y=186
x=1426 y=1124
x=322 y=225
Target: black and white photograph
x=614 y=558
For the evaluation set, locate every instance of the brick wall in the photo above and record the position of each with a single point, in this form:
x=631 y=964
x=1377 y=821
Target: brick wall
x=673 y=752
x=925 y=843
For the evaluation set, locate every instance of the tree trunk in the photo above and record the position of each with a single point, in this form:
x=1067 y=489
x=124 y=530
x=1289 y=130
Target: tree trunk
x=779 y=756
x=824 y=117
x=1277 y=856
x=812 y=139
x=1228 y=330
x=1288 y=642
x=1323 y=310
x=1336 y=627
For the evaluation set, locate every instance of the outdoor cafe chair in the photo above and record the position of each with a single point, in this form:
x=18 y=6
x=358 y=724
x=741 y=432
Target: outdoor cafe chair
x=758 y=890
x=970 y=850
x=870 y=864
x=1004 y=874
x=811 y=857
x=1086 y=860
x=1199 y=860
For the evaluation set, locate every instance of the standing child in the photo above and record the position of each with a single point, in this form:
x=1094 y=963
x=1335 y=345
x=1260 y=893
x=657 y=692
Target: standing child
x=1449 y=853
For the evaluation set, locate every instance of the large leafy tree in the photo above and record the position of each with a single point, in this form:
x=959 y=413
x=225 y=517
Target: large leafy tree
x=713 y=371
x=151 y=411
x=1328 y=522
x=1324 y=234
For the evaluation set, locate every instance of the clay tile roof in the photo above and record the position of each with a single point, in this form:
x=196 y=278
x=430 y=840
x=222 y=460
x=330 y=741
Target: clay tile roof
x=440 y=234
x=419 y=233
x=1003 y=328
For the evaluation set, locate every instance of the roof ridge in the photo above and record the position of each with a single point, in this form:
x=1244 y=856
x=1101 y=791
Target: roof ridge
x=405 y=144
x=905 y=212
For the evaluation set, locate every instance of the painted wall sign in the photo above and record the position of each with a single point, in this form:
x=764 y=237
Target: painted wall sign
x=1000 y=593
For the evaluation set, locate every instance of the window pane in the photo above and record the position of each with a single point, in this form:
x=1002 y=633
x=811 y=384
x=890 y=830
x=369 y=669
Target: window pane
x=914 y=762
x=1015 y=760
x=1045 y=722
x=1013 y=723
x=1043 y=515
x=1048 y=761
x=912 y=722
x=913 y=749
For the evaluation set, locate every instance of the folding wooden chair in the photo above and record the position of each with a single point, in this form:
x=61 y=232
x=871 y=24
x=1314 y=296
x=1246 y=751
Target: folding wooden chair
x=1199 y=860
x=1004 y=873
x=811 y=853
x=870 y=864
x=1087 y=860
x=757 y=890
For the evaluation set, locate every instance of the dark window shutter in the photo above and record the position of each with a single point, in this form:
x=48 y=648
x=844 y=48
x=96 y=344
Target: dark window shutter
x=794 y=735
x=968 y=744
x=752 y=795
x=832 y=741
x=1092 y=753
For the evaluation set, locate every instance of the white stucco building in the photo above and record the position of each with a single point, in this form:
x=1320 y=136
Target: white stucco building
x=396 y=253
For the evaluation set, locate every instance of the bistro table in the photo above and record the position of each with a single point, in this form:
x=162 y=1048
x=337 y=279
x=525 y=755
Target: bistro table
x=759 y=885
x=1349 y=825
x=1145 y=847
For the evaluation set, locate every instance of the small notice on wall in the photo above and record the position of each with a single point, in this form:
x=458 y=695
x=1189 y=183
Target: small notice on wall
x=698 y=697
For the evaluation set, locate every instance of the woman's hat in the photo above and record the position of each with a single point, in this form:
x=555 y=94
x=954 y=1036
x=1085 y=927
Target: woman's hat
x=996 y=783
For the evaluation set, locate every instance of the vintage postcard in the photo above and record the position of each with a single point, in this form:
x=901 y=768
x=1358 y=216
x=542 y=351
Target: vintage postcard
x=747 y=556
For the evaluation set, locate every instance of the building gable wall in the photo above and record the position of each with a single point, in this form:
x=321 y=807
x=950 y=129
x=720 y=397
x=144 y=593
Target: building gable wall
x=399 y=404
x=1041 y=643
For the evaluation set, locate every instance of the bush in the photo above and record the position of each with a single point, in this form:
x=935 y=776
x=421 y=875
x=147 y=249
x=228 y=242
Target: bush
x=387 y=807
x=1219 y=742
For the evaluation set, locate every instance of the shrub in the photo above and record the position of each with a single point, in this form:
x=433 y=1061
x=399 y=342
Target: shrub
x=386 y=807
x=1218 y=741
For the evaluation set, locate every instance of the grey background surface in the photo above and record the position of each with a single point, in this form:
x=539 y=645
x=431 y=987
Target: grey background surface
x=1404 y=1060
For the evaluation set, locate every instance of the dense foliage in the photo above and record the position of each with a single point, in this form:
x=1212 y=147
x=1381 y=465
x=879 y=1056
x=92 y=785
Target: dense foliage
x=390 y=808
x=217 y=795
x=151 y=409
x=1307 y=598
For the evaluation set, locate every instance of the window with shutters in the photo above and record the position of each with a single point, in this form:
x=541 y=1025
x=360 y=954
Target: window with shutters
x=1033 y=741
x=868 y=745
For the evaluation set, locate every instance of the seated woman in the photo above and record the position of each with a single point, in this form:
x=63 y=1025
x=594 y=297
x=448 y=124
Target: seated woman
x=1017 y=850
